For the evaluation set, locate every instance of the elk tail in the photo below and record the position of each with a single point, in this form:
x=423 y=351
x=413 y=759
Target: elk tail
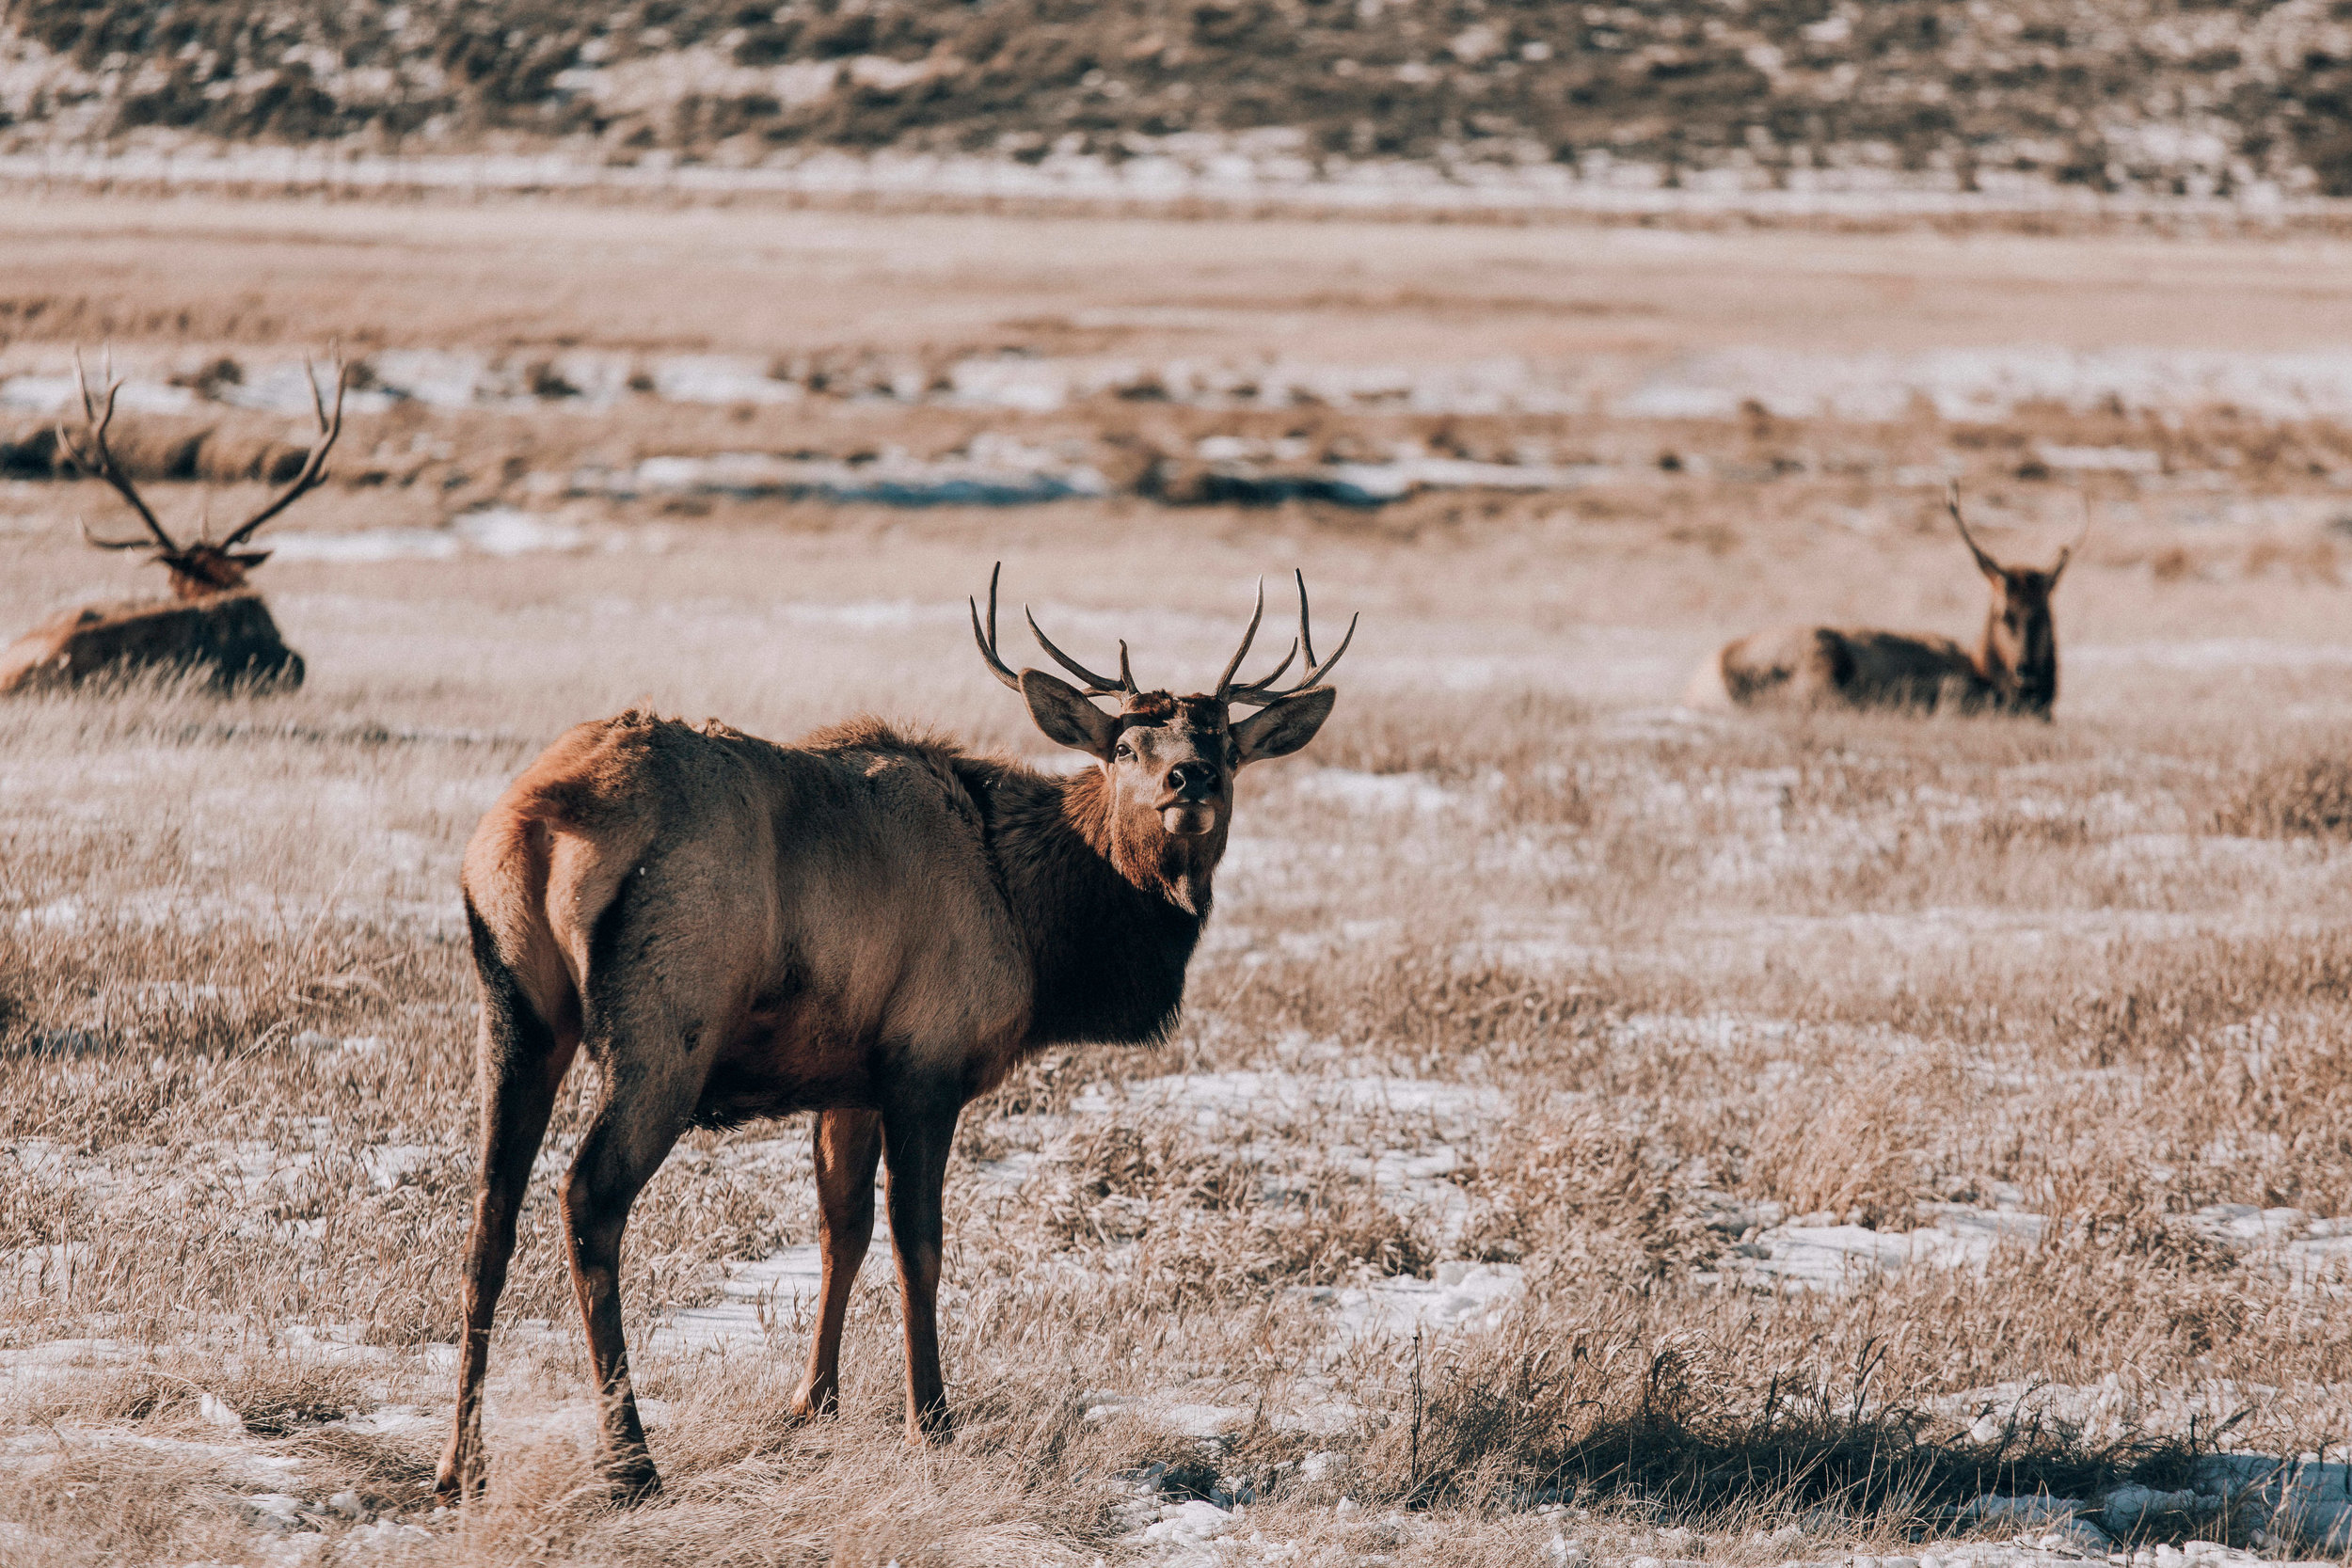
x=531 y=994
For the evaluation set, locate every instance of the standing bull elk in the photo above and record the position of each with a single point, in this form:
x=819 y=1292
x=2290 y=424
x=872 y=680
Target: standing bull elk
x=214 y=622
x=870 y=926
x=2014 y=667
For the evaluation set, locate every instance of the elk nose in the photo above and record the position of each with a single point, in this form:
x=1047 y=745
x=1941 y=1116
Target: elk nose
x=1192 y=780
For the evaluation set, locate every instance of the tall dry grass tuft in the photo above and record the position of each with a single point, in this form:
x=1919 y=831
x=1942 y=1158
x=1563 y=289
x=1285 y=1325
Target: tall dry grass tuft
x=2312 y=796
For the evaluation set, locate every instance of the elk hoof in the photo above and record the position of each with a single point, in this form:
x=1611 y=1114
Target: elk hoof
x=632 y=1481
x=810 y=1404
x=458 y=1481
x=930 y=1429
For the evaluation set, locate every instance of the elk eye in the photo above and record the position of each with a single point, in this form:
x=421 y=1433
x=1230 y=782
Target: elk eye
x=1123 y=750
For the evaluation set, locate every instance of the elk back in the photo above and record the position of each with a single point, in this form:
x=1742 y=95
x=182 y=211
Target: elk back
x=1806 y=666
x=229 y=640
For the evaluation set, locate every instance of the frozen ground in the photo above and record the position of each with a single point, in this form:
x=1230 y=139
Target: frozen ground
x=1599 y=1132
x=1411 y=1137
x=1979 y=383
x=1180 y=172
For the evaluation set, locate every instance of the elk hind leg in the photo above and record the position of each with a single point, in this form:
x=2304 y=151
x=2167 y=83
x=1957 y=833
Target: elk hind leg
x=918 y=1129
x=848 y=1145
x=520 y=1062
x=631 y=1134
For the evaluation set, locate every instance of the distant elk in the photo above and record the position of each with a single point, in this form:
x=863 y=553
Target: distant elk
x=213 y=626
x=2014 y=667
x=868 y=925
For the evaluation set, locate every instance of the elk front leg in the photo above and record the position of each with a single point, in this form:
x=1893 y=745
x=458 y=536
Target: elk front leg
x=918 y=1132
x=626 y=1144
x=848 y=1144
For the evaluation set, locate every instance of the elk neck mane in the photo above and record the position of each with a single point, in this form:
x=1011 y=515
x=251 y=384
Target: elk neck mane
x=1111 y=923
x=2030 y=687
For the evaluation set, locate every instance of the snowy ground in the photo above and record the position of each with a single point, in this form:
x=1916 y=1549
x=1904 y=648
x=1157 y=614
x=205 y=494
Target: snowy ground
x=1599 y=1131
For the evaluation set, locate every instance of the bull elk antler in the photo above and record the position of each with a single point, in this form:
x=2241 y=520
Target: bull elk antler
x=2066 y=552
x=98 y=412
x=313 y=471
x=1261 y=693
x=1097 y=686
x=1993 y=568
x=1985 y=563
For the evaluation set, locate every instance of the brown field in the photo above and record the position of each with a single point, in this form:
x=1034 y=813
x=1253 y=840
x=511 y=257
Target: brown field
x=1524 y=984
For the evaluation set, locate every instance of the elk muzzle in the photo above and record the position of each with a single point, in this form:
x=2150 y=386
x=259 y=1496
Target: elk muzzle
x=1188 y=803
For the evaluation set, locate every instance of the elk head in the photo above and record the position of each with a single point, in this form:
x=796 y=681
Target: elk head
x=206 y=566
x=1168 y=762
x=2020 y=654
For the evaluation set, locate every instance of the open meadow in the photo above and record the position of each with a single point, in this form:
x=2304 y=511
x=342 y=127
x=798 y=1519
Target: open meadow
x=1598 y=1131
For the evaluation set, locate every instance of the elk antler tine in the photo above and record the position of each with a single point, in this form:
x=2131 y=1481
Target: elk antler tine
x=988 y=639
x=97 y=542
x=1099 y=685
x=1274 y=675
x=1316 y=676
x=1306 y=637
x=1250 y=635
x=1126 y=674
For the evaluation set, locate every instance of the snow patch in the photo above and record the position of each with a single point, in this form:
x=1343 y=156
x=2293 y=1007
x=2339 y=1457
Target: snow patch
x=1470 y=1297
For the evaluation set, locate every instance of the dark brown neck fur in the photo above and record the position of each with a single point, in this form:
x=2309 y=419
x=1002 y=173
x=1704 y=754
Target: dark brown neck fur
x=2029 y=687
x=1111 y=918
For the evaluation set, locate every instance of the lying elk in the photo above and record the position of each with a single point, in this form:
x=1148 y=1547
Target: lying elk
x=213 y=623
x=867 y=925
x=2014 y=669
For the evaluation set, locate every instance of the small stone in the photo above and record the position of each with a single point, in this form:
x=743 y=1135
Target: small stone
x=348 y=1505
x=277 y=1511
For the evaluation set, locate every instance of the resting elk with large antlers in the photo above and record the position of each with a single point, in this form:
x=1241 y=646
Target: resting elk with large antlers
x=213 y=623
x=867 y=925
x=2013 y=669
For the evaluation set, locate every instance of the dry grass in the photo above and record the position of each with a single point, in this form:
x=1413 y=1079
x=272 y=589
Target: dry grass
x=1532 y=972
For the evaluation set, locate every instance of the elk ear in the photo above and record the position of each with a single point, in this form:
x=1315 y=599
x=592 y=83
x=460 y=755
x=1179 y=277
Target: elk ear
x=1066 y=716
x=1283 y=727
